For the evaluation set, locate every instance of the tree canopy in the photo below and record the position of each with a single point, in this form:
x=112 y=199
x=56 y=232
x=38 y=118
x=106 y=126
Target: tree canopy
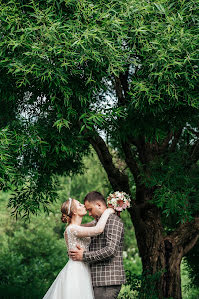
x=70 y=69
x=75 y=71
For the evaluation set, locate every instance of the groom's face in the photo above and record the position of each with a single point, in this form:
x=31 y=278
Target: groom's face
x=95 y=209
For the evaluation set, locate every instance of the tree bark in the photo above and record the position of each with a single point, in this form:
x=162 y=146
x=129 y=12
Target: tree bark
x=161 y=254
x=171 y=280
x=160 y=257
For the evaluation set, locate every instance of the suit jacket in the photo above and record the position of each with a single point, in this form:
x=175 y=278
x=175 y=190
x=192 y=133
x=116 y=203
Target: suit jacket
x=105 y=254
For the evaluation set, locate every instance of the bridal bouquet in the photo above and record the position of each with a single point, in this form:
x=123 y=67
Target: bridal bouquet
x=119 y=201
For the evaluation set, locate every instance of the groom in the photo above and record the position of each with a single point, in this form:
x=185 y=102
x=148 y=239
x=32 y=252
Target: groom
x=105 y=252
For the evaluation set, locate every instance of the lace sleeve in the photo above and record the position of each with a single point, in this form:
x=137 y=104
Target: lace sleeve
x=89 y=224
x=81 y=231
x=66 y=239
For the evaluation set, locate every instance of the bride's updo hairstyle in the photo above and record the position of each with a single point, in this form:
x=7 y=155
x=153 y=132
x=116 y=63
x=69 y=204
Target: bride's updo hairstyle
x=67 y=209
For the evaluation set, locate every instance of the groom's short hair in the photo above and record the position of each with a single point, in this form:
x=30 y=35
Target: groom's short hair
x=94 y=196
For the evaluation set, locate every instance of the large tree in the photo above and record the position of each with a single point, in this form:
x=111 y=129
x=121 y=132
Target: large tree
x=121 y=76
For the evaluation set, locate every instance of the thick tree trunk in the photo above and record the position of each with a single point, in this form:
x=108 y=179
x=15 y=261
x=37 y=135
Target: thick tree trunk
x=171 y=280
x=160 y=255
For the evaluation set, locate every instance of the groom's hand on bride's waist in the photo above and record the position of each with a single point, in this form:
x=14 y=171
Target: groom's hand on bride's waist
x=76 y=255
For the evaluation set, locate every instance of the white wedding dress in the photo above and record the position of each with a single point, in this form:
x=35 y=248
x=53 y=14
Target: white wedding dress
x=74 y=280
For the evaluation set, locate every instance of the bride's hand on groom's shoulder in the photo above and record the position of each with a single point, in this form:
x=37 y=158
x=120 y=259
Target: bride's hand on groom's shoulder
x=111 y=210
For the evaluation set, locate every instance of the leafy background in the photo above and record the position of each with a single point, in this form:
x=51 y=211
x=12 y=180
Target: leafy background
x=33 y=252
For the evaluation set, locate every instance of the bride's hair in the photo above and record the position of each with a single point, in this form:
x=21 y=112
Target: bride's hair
x=66 y=218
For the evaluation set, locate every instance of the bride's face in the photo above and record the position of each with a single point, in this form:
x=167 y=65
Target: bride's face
x=79 y=208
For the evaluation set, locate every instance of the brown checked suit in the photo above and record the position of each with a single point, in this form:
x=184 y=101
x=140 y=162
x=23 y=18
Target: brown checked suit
x=105 y=254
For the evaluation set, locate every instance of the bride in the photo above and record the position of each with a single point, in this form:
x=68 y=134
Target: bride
x=74 y=280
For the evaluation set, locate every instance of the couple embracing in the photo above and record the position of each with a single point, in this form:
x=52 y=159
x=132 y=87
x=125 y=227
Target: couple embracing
x=95 y=267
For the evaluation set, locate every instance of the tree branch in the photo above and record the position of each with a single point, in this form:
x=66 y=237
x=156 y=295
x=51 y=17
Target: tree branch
x=118 y=180
x=186 y=235
x=124 y=81
x=119 y=90
x=121 y=87
x=176 y=138
x=131 y=162
x=165 y=142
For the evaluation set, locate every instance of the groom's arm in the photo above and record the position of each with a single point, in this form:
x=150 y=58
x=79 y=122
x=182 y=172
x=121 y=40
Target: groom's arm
x=114 y=229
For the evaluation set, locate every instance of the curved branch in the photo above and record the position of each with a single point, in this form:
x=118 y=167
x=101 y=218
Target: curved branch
x=121 y=87
x=186 y=235
x=118 y=180
x=131 y=162
x=119 y=90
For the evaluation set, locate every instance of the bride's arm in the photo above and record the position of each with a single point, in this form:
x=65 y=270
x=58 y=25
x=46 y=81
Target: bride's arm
x=81 y=231
x=89 y=224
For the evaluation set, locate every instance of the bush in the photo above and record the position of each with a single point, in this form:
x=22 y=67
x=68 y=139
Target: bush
x=31 y=256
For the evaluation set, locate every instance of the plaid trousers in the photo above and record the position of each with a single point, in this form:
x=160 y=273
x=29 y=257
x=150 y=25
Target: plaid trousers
x=105 y=254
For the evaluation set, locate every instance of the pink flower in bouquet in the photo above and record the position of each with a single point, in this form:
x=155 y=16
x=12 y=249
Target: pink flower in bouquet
x=119 y=209
x=124 y=206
